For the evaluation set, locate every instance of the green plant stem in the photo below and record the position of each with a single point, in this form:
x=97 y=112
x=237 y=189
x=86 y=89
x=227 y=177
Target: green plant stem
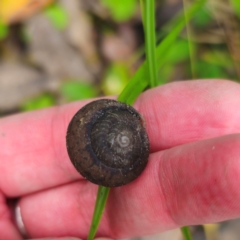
x=186 y=233
x=150 y=41
x=139 y=81
x=101 y=200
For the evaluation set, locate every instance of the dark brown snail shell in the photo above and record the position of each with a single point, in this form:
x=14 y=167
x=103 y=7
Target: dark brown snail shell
x=107 y=143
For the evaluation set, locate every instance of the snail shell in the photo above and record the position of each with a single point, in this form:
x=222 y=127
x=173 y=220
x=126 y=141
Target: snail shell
x=107 y=143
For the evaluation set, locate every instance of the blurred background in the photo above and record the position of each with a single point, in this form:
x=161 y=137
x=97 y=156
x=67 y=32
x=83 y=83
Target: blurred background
x=53 y=52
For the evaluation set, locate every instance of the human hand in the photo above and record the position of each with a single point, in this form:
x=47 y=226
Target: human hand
x=192 y=177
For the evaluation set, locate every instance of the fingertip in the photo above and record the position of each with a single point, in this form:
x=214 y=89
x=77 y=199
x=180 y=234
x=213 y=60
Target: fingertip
x=186 y=111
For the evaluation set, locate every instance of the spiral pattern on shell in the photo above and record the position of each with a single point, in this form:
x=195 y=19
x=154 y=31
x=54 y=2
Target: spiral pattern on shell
x=107 y=143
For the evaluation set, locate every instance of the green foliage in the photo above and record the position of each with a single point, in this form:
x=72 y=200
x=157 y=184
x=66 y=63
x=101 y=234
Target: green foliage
x=57 y=15
x=202 y=18
x=73 y=90
x=116 y=78
x=178 y=52
x=42 y=101
x=206 y=70
x=219 y=58
x=236 y=6
x=165 y=73
x=3 y=30
x=121 y=10
x=140 y=79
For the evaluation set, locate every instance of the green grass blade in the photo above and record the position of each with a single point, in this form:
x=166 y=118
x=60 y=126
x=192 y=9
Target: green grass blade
x=186 y=233
x=101 y=200
x=139 y=81
x=150 y=41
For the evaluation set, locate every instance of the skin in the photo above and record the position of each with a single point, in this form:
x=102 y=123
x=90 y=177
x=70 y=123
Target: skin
x=192 y=177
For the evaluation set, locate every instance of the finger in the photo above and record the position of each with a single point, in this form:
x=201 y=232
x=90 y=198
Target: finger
x=182 y=112
x=33 y=149
x=195 y=183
